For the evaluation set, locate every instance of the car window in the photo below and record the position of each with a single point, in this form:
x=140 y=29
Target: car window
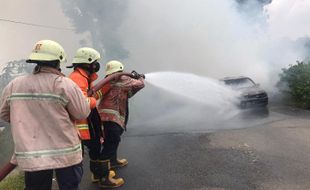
x=240 y=83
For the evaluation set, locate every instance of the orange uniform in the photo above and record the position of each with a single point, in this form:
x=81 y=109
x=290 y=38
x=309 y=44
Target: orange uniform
x=81 y=78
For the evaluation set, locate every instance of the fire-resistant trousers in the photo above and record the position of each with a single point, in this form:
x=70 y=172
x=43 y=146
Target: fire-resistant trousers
x=67 y=178
x=94 y=148
x=112 y=132
x=93 y=144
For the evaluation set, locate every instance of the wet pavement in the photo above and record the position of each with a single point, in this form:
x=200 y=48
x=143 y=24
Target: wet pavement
x=255 y=149
x=269 y=150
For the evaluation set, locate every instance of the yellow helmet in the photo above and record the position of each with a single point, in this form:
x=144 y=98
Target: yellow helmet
x=47 y=50
x=86 y=55
x=113 y=67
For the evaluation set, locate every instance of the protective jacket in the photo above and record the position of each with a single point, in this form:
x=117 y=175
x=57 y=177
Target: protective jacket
x=41 y=108
x=81 y=78
x=114 y=105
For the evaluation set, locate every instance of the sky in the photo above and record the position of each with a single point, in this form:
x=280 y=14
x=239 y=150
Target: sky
x=17 y=40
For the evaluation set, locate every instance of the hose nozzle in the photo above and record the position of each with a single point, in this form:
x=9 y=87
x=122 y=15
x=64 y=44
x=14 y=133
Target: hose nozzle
x=136 y=75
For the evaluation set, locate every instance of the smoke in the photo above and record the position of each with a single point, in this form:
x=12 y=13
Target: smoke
x=212 y=38
x=288 y=19
x=289 y=30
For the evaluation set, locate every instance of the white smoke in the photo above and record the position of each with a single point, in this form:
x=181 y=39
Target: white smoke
x=214 y=38
x=204 y=37
x=288 y=19
x=211 y=38
x=208 y=37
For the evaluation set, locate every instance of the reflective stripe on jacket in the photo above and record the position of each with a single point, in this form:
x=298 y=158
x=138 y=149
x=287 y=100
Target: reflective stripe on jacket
x=40 y=108
x=114 y=104
x=81 y=78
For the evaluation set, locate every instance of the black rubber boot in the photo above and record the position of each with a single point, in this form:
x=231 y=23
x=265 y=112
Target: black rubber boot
x=96 y=179
x=118 y=163
x=107 y=181
x=97 y=170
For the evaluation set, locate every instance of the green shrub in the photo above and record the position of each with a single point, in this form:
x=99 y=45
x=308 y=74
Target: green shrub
x=6 y=144
x=13 y=182
x=295 y=84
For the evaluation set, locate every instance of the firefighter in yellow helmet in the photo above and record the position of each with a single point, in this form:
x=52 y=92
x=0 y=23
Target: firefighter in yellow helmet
x=40 y=108
x=86 y=65
x=113 y=109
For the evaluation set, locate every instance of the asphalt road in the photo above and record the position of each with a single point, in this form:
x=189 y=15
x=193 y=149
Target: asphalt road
x=270 y=150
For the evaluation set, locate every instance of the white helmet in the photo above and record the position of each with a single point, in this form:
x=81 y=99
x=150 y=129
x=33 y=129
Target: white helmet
x=86 y=55
x=113 y=67
x=47 y=50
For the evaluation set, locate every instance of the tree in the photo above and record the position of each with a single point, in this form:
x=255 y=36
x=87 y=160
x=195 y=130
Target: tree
x=13 y=69
x=102 y=20
x=295 y=83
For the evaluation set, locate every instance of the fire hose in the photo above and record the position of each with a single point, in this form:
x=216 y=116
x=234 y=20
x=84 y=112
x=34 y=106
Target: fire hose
x=104 y=81
x=9 y=167
x=114 y=76
x=6 y=170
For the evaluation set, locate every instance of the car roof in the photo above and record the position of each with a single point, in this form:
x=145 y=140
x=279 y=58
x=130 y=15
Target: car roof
x=234 y=78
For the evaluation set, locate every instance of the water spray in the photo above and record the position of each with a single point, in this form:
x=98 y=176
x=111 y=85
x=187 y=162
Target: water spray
x=178 y=100
x=200 y=89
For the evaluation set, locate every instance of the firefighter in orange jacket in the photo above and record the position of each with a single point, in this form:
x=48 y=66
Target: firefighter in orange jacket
x=85 y=64
x=113 y=109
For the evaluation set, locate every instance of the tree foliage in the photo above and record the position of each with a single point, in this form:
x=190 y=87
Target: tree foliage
x=6 y=144
x=14 y=69
x=295 y=83
x=102 y=20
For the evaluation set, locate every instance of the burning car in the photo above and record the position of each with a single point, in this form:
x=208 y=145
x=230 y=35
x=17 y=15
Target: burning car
x=250 y=93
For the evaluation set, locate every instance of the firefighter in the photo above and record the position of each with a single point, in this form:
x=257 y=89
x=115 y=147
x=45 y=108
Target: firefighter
x=40 y=108
x=113 y=110
x=86 y=66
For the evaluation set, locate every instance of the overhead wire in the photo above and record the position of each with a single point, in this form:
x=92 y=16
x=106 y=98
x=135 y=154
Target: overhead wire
x=35 y=25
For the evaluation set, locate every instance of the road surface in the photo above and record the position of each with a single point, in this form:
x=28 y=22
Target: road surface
x=270 y=150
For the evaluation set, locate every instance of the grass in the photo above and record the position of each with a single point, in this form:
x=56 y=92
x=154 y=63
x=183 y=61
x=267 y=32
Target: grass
x=13 y=182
